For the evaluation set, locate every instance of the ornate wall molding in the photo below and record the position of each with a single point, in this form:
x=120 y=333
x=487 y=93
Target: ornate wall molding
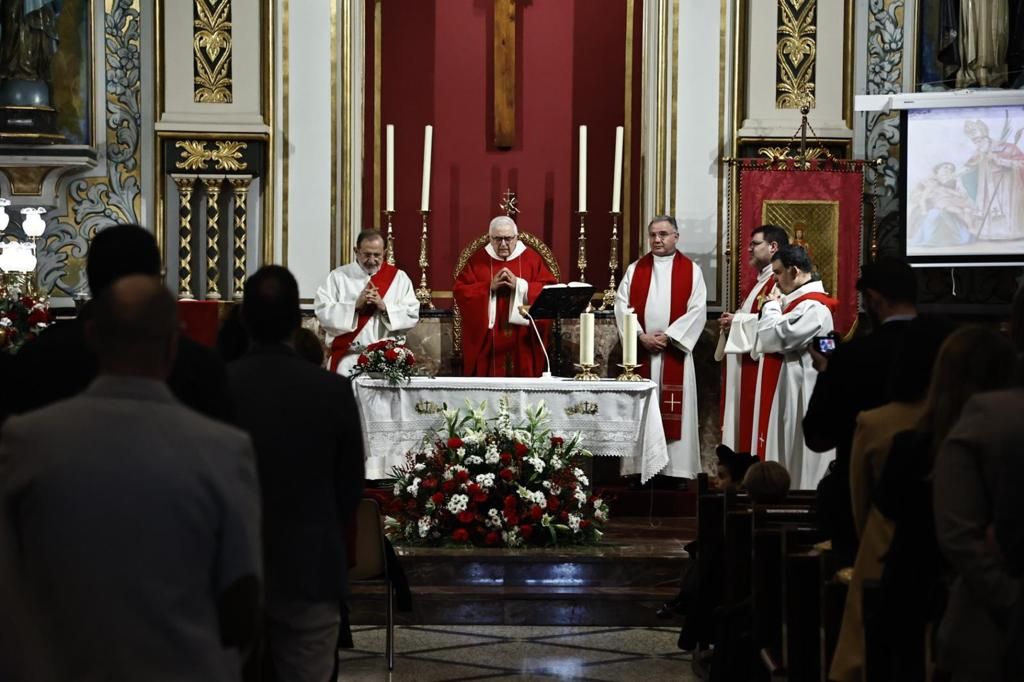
x=225 y=155
x=212 y=53
x=796 y=53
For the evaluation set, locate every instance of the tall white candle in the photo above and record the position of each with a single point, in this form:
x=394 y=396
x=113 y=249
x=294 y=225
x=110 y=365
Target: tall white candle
x=428 y=145
x=583 y=169
x=629 y=339
x=587 y=338
x=617 y=182
x=390 y=146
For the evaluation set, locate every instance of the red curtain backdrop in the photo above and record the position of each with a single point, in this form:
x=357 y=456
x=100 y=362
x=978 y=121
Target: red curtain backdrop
x=437 y=68
x=758 y=183
x=200 y=320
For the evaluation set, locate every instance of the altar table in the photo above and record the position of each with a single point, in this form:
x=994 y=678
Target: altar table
x=614 y=418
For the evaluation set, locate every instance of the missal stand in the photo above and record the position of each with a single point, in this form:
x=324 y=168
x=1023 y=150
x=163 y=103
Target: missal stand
x=558 y=301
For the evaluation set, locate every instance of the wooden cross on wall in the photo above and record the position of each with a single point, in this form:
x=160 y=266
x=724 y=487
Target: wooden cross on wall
x=504 y=73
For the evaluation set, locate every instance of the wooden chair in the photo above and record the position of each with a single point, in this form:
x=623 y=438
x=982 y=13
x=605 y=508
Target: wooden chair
x=371 y=565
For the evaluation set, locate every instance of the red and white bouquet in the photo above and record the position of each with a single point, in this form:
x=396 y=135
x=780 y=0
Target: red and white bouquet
x=21 y=319
x=389 y=358
x=488 y=482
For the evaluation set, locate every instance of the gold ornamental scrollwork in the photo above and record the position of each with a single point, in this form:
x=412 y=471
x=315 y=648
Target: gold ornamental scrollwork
x=584 y=407
x=225 y=156
x=211 y=46
x=796 y=53
x=780 y=157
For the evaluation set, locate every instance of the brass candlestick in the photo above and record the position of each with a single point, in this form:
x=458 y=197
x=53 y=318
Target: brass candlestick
x=389 y=244
x=581 y=259
x=586 y=373
x=608 y=299
x=423 y=294
x=627 y=373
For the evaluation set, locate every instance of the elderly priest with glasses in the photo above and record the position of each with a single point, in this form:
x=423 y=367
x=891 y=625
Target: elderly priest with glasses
x=497 y=340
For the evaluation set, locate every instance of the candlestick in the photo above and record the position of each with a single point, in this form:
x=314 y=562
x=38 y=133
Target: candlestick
x=627 y=373
x=581 y=257
x=423 y=293
x=390 y=173
x=586 y=338
x=389 y=243
x=629 y=338
x=617 y=182
x=608 y=299
x=586 y=373
x=583 y=169
x=428 y=145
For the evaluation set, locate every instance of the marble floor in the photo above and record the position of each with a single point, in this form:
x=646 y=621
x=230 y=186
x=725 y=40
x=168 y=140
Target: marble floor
x=429 y=653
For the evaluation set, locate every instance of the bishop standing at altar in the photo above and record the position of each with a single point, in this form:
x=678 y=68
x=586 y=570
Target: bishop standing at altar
x=796 y=312
x=737 y=333
x=363 y=302
x=666 y=293
x=497 y=340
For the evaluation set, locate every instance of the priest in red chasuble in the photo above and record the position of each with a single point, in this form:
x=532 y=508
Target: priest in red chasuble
x=497 y=340
x=666 y=291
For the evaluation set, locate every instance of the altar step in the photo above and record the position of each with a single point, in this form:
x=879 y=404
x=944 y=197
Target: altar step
x=619 y=582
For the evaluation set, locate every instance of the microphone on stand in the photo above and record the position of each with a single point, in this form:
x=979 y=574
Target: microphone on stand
x=524 y=310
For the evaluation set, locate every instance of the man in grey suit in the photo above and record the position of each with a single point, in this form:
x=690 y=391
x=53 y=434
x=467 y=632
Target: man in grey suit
x=309 y=445
x=134 y=521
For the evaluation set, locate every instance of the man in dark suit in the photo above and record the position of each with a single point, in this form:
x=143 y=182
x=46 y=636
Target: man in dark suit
x=309 y=446
x=59 y=363
x=853 y=379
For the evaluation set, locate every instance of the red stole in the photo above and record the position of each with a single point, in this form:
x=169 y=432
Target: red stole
x=748 y=381
x=381 y=279
x=672 y=358
x=773 y=368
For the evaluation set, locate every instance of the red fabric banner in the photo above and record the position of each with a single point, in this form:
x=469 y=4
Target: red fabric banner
x=769 y=194
x=200 y=321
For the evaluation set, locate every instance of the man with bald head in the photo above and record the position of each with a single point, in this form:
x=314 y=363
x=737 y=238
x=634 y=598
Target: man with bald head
x=496 y=340
x=135 y=522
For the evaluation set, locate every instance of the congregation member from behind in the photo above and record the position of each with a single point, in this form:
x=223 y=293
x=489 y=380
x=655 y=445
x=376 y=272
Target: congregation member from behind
x=135 y=521
x=766 y=482
x=305 y=427
x=59 y=362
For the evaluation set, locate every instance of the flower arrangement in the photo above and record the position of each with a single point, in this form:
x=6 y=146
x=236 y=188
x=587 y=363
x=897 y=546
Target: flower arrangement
x=489 y=483
x=21 y=319
x=390 y=358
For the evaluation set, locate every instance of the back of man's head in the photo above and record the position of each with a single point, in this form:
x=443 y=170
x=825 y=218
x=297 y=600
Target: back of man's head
x=794 y=256
x=892 y=278
x=120 y=250
x=270 y=308
x=767 y=482
x=134 y=327
x=773 y=233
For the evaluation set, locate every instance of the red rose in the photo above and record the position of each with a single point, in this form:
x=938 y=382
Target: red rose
x=454 y=443
x=466 y=517
x=553 y=503
x=506 y=458
x=507 y=474
x=449 y=486
x=512 y=517
x=411 y=504
x=461 y=476
x=511 y=502
x=476 y=493
x=39 y=316
x=363 y=360
x=460 y=535
x=429 y=482
x=526 y=531
x=536 y=512
x=521 y=450
x=437 y=498
x=410 y=359
x=557 y=440
x=492 y=538
x=564 y=516
x=584 y=524
x=391 y=355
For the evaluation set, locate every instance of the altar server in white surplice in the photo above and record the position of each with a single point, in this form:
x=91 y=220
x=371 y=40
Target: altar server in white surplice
x=364 y=302
x=792 y=316
x=737 y=332
x=666 y=291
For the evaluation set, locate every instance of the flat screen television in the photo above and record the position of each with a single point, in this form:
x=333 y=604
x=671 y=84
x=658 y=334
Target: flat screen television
x=962 y=180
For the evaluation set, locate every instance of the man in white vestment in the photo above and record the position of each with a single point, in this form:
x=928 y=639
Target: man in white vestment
x=666 y=291
x=364 y=302
x=793 y=315
x=737 y=332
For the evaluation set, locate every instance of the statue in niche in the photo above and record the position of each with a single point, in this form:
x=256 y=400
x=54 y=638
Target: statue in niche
x=28 y=43
x=966 y=43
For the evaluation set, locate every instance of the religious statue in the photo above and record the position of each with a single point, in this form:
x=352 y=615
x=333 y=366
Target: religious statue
x=975 y=40
x=28 y=43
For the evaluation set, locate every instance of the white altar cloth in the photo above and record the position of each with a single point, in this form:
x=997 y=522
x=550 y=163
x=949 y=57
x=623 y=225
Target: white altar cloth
x=615 y=418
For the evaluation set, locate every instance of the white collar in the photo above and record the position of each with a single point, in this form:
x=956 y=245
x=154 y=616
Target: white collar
x=518 y=251
x=766 y=272
x=662 y=259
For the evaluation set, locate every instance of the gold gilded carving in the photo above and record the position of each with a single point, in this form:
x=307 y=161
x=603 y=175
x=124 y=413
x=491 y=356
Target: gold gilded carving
x=212 y=238
x=584 y=407
x=225 y=155
x=240 y=186
x=816 y=225
x=779 y=157
x=185 y=186
x=796 y=53
x=211 y=46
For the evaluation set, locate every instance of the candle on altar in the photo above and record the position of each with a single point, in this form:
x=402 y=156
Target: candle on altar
x=587 y=338
x=428 y=144
x=389 y=204
x=583 y=169
x=629 y=338
x=617 y=182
